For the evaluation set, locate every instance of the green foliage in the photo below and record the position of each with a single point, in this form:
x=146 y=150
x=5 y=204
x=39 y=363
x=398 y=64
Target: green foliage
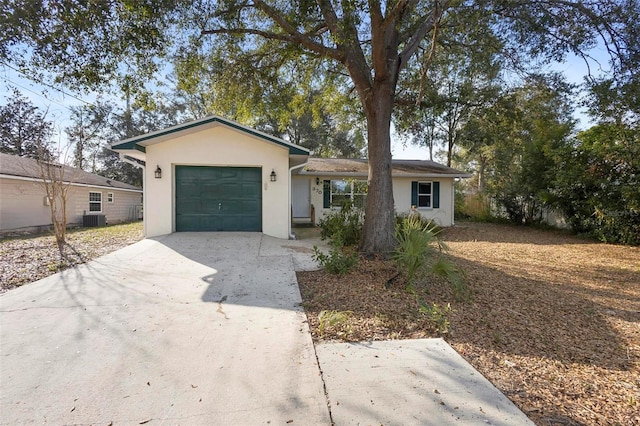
x=438 y=315
x=343 y=229
x=460 y=204
x=87 y=44
x=335 y=320
x=88 y=131
x=596 y=186
x=24 y=129
x=436 y=103
x=455 y=276
x=417 y=241
x=343 y=226
x=123 y=124
x=420 y=250
x=516 y=142
x=339 y=260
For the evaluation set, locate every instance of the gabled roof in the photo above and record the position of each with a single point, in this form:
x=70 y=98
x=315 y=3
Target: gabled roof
x=12 y=166
x=360 y=168
x=140 y=142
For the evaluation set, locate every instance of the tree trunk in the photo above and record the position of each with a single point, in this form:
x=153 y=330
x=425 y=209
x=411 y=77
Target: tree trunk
x=450 y=141
x=482 y=162
x=379 y=226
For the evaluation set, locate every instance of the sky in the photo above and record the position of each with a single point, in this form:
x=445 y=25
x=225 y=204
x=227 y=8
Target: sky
x=57 y=101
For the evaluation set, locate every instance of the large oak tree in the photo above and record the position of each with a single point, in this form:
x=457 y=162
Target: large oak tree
x=370 y=41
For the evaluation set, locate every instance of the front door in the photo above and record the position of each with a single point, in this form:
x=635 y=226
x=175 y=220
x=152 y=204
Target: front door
x=301 y=198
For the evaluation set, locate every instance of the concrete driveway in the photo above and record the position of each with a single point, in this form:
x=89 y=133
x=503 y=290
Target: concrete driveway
x=184 y=329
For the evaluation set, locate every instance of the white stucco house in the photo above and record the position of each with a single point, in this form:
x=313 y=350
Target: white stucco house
x=419 y=186
x=24 y=206
x=214 y=174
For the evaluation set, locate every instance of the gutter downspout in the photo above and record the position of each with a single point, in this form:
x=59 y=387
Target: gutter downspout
x=453 y=201
x=289 y=206
x=144 y=185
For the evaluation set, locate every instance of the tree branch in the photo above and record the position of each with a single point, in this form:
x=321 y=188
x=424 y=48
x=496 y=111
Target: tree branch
x=305 y=40
x=421 y=32
x=330 y=17
x=398 y=11
x=354 y=58
x=291 y=35
x=241 y=31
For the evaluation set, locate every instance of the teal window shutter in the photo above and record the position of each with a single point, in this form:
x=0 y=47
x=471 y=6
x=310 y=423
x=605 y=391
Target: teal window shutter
x=436 y=195
x=326 y=194
x=414 y=193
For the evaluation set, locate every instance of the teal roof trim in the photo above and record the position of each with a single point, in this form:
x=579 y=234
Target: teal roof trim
x=133 y=143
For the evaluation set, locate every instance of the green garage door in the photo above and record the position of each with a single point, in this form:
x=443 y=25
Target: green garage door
x=218 y=199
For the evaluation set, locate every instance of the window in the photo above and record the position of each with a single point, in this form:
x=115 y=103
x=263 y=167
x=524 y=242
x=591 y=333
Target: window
x=424 y=194
x=337 y=192
x=110 y=197
x=95 y=201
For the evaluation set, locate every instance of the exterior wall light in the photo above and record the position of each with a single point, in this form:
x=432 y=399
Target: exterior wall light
x=273 y=175
x=317 y=181
x=158 y=172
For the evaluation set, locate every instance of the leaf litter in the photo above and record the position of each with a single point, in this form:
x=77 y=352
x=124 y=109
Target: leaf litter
x=28 y=258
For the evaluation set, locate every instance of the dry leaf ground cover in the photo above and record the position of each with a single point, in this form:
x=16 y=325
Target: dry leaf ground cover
x=554 y=320
x=28 y=258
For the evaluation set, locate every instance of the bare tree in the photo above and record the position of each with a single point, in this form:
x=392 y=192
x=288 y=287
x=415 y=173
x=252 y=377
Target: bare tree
x=26 y=128
x=55 y=181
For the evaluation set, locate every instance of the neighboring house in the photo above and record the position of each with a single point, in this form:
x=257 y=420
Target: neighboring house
x=24 y=206
x=214 y=174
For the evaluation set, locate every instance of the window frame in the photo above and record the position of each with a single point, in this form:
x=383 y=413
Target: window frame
x=110 y=197
x=351 y=194
x=425 y=194
x=99 y=202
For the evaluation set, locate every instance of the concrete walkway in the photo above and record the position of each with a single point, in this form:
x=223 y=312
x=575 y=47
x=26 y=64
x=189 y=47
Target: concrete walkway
x=207 y=329
x=410 y=382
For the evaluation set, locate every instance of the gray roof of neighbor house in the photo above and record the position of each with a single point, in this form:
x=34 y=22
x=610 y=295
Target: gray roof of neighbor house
x=21 y=167
x=360 y=167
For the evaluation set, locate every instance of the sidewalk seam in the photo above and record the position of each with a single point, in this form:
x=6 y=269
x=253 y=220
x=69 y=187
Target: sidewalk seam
x=324 y=384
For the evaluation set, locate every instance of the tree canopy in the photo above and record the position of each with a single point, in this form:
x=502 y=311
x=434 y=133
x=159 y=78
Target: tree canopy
x=24 y=129
x=355 y=47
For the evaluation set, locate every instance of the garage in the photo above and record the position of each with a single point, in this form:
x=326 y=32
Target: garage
x=213 y=174
x=218 y=199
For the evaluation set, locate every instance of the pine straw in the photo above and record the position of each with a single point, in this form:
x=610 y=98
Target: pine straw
x=28 y=258
x=554 y=321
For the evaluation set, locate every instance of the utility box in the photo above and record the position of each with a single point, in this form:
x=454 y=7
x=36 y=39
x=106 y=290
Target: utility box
x=93 y=220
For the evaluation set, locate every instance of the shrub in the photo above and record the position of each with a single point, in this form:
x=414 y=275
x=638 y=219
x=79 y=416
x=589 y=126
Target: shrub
x=417 y=241
x=419 y=249
x=343 y=226
x=415 y=221
x=337 y=261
